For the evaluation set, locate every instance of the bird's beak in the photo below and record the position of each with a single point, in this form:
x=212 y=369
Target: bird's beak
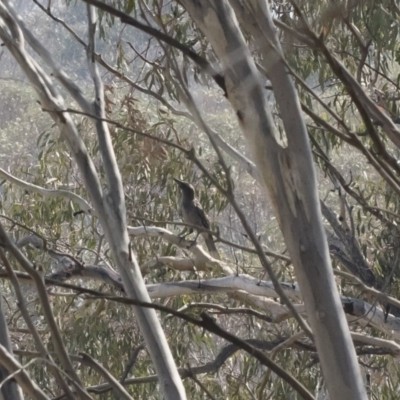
x=179 y=182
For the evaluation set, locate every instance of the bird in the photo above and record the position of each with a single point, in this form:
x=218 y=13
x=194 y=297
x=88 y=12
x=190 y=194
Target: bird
x=193 y=214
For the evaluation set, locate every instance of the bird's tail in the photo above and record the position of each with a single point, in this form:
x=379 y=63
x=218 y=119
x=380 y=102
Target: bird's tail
x=211 y=246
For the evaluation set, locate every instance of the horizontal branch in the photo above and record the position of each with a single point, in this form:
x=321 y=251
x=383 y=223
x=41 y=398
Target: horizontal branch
x=356 y=310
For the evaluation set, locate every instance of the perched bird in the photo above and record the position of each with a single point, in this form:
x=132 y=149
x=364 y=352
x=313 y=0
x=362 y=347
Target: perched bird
x=193 y=214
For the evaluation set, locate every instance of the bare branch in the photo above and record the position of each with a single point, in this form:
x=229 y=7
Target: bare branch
x=118 y=388
x=21 y=376
x=83 y=204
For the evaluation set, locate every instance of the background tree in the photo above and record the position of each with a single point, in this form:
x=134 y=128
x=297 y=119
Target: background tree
x=168 y=90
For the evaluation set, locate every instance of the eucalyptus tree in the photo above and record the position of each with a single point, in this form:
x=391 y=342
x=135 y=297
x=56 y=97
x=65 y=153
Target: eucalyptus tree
x=244 y=99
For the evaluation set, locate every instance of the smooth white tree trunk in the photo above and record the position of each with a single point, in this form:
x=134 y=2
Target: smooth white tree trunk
x=286 y=171
x=109 y=205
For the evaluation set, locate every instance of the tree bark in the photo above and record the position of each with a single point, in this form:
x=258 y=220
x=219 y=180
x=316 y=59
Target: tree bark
x=109 y=207
x=10 y=390
x=286 y=171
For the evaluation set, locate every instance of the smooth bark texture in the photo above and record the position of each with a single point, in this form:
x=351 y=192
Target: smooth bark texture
x=287 y=173
x=109 y=207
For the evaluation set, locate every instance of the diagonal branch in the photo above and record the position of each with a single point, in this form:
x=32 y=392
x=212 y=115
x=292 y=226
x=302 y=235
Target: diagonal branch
x=83 y=204
x=204 y=65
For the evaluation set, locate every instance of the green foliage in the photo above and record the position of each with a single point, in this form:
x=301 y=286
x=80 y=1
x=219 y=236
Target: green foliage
x=151 y=102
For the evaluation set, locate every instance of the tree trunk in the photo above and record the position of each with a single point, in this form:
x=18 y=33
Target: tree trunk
x=287 y=173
